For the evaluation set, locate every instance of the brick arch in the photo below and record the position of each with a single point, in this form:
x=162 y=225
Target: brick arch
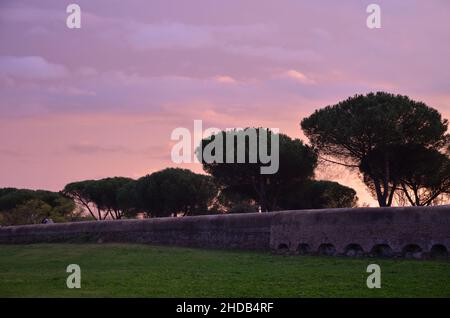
x=327 y=249
x=382 y=250
x=283 y=248
x=353 y=250
x=438 y=251
x=412 y=251
x=303 y=249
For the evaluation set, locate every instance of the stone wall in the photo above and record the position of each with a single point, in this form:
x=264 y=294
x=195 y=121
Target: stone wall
x=411 y=232
x=239 y=231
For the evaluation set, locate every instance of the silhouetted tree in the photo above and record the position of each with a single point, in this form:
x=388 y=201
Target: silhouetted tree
x=101 y=195
x=173 y=190
x=105 y=195
x=351 y=130
x=321 y=194
x=296 y=163
x=421 y=175
x=127 y=199
x=236 y=199
x=81 y=193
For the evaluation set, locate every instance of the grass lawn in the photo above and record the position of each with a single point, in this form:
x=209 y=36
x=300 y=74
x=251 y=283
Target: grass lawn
x=126 y=270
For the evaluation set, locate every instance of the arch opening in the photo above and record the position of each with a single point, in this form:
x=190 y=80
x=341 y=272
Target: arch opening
x=283 y=248
x=412 y=251
x=354 y=250
x=438 y=251
x=382 y=250
x=327 y=249
x=303 y=249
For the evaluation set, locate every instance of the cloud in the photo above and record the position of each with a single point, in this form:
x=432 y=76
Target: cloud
x=180 y=35
x=275 y=53
x=299 y=76
x=154 y=151
x=225 y=79
x=166 y=36
x=30 y=67
x=92 y=149
x=231 y=39
x=28 y=14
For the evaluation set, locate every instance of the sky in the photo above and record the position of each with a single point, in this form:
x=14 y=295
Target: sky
x=103 y=100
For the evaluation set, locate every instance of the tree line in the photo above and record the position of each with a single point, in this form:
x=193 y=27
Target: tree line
x=24 y=206
x=229 y=188
x=399 y=148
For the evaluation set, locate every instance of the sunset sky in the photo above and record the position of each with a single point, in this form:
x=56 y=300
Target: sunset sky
x=103 y=100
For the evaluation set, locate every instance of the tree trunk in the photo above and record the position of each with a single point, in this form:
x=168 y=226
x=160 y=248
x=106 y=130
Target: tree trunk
x=380 y=195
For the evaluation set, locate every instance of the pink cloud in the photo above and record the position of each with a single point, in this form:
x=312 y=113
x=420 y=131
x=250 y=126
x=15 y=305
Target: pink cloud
x=225 y=79
x=30 y=67
x=299 y=76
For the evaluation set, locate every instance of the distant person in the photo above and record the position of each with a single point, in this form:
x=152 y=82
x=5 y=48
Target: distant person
x=47 y=221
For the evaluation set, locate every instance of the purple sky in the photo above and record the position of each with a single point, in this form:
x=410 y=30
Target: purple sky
x=103 y=100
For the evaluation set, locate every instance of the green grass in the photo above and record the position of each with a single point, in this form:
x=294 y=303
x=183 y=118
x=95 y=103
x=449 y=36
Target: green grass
x=122 y=270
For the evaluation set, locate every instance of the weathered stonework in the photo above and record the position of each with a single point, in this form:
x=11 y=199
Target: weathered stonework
x=414 y=232
x=411 y=231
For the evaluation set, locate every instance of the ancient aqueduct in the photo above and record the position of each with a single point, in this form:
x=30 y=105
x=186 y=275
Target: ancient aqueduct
x=414 y=232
